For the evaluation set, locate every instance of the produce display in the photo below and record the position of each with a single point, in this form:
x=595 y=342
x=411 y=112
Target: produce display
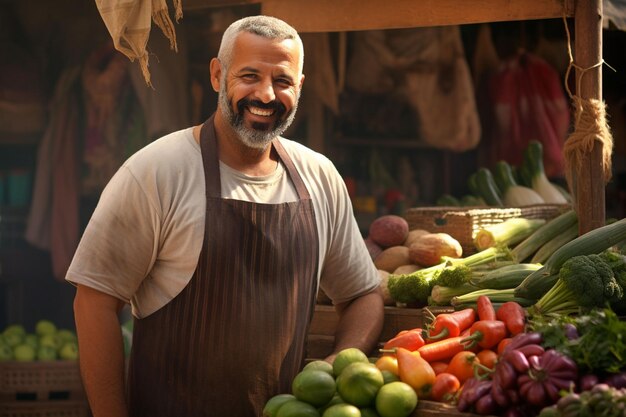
x=534 y=329
x=44 y=343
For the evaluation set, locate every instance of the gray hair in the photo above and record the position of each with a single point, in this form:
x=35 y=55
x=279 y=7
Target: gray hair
x=265 y=26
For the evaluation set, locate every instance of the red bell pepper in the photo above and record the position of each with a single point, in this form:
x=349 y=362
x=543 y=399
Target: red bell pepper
x=410 y=340
x=451 y=324
x=485 y=333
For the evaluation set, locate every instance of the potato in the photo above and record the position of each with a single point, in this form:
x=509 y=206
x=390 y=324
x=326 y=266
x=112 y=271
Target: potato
x=389 y=230
x=413 y=235
x=406 y=269
x=428 y=249
x=391 y=258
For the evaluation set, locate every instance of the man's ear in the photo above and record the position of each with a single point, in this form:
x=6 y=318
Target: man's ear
x=215 y=68
x=301 y=81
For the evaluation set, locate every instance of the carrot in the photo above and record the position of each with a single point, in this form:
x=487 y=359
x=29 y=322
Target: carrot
x=485 y=308
x=441 y=349
x=451 y=324
x=485 y=333
x=513 y=315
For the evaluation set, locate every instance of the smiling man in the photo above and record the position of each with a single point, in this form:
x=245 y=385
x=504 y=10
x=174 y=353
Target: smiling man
x=219 y=236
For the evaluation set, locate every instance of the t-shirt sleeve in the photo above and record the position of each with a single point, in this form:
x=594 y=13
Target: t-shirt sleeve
x=119 y=244
x=348 y=271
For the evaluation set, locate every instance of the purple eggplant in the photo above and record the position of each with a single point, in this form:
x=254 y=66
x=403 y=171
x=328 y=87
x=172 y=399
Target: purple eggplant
x=486 y=405
x=588 y=381
x=518 y=360
x=469 y=395
x=523 y=339
x=616 y=380
x=531 y=350
x=571 y=332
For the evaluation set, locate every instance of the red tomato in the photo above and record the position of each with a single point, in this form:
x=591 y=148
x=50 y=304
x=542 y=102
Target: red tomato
x=439 y=367
x=503 y=343
x=444 y=387
x=487 y=358
x=462 y=365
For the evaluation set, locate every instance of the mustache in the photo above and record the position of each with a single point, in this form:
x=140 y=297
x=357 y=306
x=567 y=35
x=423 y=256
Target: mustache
x=275 y=105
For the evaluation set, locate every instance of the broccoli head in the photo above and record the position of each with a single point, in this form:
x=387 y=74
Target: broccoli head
x=617 y=262
x=584 y=281
x=454 y=275
x=591 y=280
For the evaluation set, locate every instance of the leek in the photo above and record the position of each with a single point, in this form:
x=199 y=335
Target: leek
x=533 y=163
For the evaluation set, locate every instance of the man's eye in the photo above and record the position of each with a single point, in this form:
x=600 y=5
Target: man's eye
x=249 y=76
x=283 y=81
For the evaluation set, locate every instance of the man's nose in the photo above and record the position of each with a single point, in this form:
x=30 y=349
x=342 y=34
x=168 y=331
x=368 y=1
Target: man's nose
x=265 y=92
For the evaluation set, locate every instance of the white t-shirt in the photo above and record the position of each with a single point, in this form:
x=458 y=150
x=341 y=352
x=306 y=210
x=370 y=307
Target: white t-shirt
x=143 y=241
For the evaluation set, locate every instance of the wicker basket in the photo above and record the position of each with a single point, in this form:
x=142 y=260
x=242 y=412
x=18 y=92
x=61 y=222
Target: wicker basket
x=462 y=223
x=41 y=381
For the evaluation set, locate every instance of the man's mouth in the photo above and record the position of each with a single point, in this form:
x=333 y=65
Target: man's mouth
x=260 y=112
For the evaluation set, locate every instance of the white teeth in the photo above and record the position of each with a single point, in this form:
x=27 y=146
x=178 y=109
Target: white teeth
x=260 y=112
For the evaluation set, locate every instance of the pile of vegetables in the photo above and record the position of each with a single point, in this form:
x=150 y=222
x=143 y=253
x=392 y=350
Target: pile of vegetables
x=508 y=186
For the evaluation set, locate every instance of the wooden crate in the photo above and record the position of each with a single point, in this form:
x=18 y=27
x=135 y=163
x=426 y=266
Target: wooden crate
x=322 y=330
x=40 y=381
x=463 y=223
x=436 y=409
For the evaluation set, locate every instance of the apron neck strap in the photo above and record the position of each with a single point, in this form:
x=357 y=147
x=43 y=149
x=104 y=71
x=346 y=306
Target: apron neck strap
x=210 y=160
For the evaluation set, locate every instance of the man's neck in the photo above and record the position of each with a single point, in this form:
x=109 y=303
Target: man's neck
x=232 y=152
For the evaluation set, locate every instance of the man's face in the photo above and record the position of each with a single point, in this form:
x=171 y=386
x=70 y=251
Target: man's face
x=259 y=91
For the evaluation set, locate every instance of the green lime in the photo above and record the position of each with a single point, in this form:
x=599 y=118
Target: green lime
x=342 y=410
x=320 y=366
x=346 y=357
x=396 y=399
x=389 y=376
x=359 y=382
x=297 y=408
x=314 y=387
x=273 y=404
x=24 y=353
x=335 y=400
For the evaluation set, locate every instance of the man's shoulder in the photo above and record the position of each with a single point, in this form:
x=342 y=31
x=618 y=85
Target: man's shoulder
x=167 y=148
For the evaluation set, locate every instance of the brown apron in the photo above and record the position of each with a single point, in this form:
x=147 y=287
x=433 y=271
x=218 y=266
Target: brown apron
x=236 y=333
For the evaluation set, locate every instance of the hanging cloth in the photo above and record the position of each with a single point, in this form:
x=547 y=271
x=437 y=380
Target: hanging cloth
x=129 y=22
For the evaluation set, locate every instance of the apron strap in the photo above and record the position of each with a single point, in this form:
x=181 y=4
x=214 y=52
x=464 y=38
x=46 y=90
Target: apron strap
x=210 y=160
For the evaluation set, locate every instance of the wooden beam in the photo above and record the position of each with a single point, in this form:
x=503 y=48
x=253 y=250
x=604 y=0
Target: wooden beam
x=348 y=15
x=590 y=190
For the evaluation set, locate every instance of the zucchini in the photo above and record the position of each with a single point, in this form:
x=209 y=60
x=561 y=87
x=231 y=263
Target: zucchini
x=544 y=252
x=544 y=234
x=506 y=277
x=508 y=232
x=487 y=187
x=592 y=242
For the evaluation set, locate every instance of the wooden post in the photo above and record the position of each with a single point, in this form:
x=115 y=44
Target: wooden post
x=590 y=189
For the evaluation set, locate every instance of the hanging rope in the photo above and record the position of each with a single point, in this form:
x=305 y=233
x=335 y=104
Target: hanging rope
x=590 y=125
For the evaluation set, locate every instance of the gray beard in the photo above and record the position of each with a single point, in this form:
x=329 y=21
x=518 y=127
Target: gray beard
x=252 y=138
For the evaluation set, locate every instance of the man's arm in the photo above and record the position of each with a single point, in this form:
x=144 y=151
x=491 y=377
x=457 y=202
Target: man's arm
x=360 y=323
x=101 y=351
